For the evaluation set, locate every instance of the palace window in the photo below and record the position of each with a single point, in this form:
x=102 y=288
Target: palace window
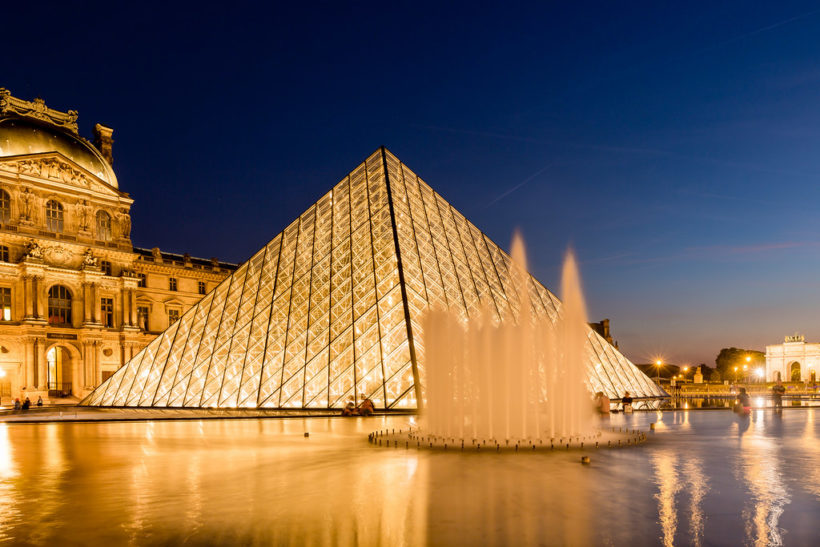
x=5 y=304
x=59 y=305
x=202 y=287
x=141 y=282
x=142 y=317
x=107 y=310
x=5 y=207
x=105 y=266
x=54 y=216
x=173 y=317
x=172 y=283
x=103 y=226
x=4 y=253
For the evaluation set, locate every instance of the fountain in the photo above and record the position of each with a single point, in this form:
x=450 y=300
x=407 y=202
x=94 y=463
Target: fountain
x=511 y=385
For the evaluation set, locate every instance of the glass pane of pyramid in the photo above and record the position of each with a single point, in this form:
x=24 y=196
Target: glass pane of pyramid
x=331 y=308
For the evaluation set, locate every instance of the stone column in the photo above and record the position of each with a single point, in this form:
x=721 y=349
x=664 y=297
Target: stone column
x=86 y=302
x=27 y=296
x=42 y=300
x=87 y=363
x=97 y=314
x=97 y=362
x=132 y=294
x=124 y=302
x=28 y=376
x=35 y=300
x=42 y=363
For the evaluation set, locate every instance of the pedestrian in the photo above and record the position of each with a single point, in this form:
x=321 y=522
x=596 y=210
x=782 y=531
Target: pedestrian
x=602 y=403
x=627 y=402
x=39 y=401
x=350 y=408
x=777 y=394
x=366 y=407
x=26 y=404
x=744 y=402
x=17 y=404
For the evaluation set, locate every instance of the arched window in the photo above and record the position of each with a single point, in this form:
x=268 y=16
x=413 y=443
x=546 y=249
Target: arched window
x=5 y=207
x=59 y=305
x=103 y=226
x=54 y=216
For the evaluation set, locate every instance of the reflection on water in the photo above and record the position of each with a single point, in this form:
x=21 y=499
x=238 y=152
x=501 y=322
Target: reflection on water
x=811 y=456
x=666 y=476
x=261 y=482
x=758 y=467
x=677 y=475
x=698 y=487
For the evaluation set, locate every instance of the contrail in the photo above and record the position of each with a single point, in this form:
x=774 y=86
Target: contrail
x=517 y=186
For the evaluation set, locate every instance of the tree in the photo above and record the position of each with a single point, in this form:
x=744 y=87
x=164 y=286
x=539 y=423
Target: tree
x=729 y=358
x=715 y=375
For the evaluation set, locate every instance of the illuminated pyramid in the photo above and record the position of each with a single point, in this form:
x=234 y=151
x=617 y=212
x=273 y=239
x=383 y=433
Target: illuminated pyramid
x=331 y=308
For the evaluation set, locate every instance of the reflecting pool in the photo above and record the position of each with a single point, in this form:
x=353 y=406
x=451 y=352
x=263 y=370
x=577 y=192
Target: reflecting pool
x=703 y=478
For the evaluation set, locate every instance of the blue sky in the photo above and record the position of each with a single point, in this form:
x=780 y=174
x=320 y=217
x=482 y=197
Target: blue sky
x=673 y=146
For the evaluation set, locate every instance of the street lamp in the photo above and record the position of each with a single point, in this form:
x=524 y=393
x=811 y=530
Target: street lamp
x=658 y=364
x=735 y=374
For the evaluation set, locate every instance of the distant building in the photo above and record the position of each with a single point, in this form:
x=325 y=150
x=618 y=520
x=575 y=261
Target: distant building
x=792 y=361
x=602 y=328
x=76 y=299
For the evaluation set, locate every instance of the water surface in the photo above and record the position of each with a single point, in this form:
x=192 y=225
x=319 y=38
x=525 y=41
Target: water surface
x=704 y=478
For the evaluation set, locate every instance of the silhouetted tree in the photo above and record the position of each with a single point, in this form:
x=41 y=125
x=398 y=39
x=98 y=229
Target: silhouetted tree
x=729 y=358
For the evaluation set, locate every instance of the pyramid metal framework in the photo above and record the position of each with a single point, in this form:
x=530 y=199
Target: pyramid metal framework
x=331 y=308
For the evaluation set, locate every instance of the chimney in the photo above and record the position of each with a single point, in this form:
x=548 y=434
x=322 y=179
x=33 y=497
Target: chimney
x=104 y=142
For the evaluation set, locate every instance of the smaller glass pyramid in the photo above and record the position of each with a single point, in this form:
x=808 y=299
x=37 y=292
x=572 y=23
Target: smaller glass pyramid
x=331 y=308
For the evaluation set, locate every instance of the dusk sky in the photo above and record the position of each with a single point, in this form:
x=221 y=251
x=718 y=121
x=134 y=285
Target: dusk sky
x=676 y=148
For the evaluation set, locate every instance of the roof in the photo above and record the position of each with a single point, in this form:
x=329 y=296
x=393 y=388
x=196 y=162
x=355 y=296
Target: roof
x=32 y=128
x=175 y=259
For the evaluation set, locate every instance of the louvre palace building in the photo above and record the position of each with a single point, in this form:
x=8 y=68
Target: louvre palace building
x=77 y=299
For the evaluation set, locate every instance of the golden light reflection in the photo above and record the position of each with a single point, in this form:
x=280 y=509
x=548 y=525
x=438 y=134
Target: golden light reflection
x=669 y=484
x=811 y=451
x=8 y=471
x=698 y=487
x=759 y=466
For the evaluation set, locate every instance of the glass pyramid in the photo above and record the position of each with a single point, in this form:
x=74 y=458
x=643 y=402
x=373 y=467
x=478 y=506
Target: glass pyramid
x=331 y=308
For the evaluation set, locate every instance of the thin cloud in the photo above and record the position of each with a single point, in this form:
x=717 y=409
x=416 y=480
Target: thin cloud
x=714 y=251
x=637 y=150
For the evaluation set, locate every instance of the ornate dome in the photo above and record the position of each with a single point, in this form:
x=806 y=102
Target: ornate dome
x=19 y=136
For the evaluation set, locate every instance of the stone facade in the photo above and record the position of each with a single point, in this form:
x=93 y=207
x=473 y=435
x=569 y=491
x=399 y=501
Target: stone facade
x=793 y=360
x=77 y=300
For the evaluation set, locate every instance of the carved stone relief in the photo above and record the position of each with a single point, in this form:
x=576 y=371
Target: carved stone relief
x=83 y=211
x=124 y=222
x=37 y=109
x=26 y=200
x=33 y=250
x=57 y=255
